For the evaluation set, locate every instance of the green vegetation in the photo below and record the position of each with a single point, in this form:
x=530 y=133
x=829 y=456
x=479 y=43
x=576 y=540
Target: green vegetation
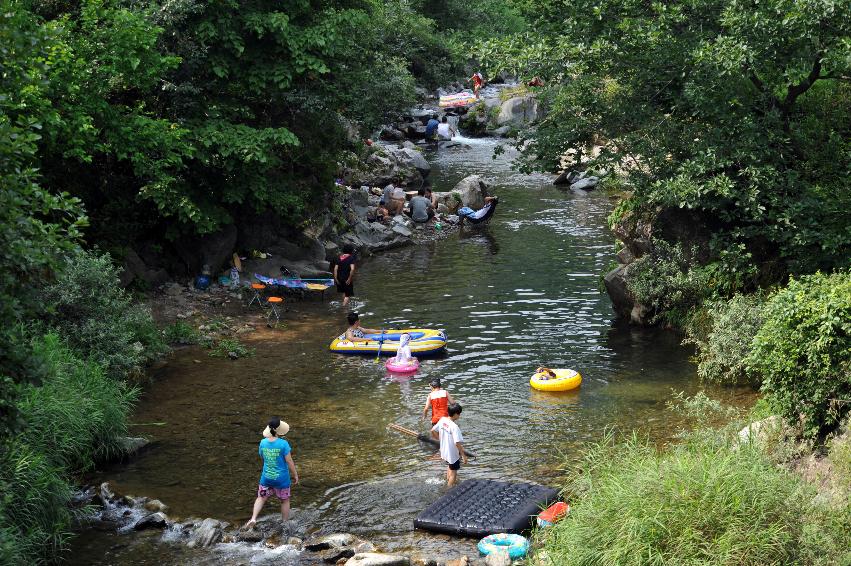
x=180 y=333
x=75 y=417
x=704 y=501
x=802 y=351
x=231 y=347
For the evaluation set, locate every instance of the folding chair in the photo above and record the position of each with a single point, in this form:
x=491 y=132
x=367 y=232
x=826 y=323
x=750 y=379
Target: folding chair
x=274 y=303
x=258 y=289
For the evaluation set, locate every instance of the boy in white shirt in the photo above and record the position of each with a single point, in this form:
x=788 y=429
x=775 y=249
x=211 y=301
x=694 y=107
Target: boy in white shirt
x=451 y=447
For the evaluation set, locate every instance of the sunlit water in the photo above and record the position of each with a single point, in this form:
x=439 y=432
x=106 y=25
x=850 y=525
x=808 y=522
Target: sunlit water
x=520 y=293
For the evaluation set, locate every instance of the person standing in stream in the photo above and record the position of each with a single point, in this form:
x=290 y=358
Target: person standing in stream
x=278 y=468
x=438 y=401
x=344 y=273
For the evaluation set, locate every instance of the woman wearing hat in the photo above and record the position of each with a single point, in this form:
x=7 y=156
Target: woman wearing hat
x=277 y=466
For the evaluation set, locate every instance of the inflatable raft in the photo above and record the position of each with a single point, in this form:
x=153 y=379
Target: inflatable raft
x=457 y=99
x=565 y=380
x=424 y=342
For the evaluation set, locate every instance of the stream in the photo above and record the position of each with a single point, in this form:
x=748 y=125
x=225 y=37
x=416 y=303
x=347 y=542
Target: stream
x=522 y=292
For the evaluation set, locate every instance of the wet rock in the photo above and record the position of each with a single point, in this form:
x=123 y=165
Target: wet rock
x=408 y=145
x=378 y=559
x=391 y=134
x=335 y=540
x=295 y=541
x=334 y=555
x=473 y=191
x=402 y=231
x=462 y=561
x=585 y=184
x=452 y=218
x=106 y=493
x=616 y=287
x=567 y=177
x=249 y=535
x=625 y=256
x=209 y=532
x=362 y=546
x=132 y=444
x=415 y=158
x=421 y=561
x=152 y=521
x=403 y=220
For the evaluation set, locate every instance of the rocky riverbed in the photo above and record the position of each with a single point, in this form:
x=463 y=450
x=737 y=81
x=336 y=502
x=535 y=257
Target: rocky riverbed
x=271 y=540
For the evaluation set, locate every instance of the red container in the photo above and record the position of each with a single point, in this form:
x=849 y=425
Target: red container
x=553 y=514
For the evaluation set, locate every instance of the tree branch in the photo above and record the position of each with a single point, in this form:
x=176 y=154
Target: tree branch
x=797 y=90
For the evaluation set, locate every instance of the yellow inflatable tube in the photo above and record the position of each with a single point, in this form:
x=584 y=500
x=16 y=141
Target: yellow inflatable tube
x=565 y=380
x=424 y=342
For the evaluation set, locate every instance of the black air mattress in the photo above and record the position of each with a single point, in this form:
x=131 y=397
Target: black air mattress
x=477 y=508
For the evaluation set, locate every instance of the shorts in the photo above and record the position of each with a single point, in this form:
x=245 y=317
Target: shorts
x=456 y=465
x=282 y=493
x=347 y=289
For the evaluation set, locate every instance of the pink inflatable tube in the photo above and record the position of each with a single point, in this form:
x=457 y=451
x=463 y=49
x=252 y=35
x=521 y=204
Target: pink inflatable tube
x=404 y=367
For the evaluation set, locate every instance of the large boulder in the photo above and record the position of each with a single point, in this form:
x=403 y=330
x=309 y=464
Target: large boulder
x=413 y=157
x=585 y=184
x=473 y=191
x=450 y=200
x=152 y=521
x=518 y=111
x=134 y=269
x=616 y=287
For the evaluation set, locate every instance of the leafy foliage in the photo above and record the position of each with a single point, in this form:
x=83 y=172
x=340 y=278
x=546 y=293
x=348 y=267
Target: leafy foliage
x=664 y=282
x=228 y=347
x=99 y=318
x=736 y=108
x=803 y=351
x=75 y=417
x=723 y=353
x=180 y=333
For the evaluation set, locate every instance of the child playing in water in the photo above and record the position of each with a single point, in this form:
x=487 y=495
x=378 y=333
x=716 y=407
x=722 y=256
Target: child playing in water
x=439 y=400
x=545 y=373
x=278 y=468
x=403 y=354
x=451 y=447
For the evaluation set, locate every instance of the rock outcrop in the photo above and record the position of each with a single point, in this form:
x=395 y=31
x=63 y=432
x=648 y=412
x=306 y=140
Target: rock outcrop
x=518 y=111
x=472 y=190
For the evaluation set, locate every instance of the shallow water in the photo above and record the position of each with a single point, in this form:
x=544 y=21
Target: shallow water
x=520 y=293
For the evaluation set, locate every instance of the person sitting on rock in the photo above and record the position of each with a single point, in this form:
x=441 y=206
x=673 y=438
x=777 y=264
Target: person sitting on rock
x=429 y=194
x=392 y=202
x=355 y=332
x=421 y=209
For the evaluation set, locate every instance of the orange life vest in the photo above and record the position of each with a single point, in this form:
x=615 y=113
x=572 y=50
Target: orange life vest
x=439 y=404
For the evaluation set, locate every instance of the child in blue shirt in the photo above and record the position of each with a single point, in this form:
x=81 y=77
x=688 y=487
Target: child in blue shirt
x=278 y=465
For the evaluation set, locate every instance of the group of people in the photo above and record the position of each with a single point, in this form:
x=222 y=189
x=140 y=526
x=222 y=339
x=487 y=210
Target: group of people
x=440 y=131
x=421 y=208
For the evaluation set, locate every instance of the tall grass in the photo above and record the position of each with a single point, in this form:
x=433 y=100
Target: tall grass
x=698 y=503
x=75 y=417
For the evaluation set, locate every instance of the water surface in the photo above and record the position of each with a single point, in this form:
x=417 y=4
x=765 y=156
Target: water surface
x=523 y=292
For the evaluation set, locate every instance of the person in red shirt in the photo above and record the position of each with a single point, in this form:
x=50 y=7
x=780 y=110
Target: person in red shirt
x=478 y=81
x=438 y=400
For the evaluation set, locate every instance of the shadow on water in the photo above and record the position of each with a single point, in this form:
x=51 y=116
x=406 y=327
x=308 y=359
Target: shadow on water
x=518 y=293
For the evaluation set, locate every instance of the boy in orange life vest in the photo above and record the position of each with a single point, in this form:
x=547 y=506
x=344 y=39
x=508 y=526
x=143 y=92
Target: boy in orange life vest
x=439 y=401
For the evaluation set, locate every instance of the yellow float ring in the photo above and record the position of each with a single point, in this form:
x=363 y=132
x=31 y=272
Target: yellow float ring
x=565 y=380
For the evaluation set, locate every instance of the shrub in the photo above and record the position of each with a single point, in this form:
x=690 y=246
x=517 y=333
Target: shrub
x=99 y=319
x=803 y=351
x=74 y=418
x=665 y=282
x=722 y=354
x=180 y=333
x=226 y=346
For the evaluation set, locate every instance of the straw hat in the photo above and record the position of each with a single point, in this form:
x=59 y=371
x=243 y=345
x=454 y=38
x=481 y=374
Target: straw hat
x=282 y=429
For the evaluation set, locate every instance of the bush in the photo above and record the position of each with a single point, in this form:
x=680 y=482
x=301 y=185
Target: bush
x=74 y=418
x=803 y=351
x=665 y=282
x=228 y=346
x=722 y=354
x=180 y=333
x=99 y=319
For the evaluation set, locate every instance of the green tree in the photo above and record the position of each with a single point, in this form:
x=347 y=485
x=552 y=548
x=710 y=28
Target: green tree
x=736 y=108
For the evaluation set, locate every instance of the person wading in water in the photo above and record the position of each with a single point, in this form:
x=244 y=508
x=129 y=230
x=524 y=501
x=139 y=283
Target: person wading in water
x=278 y=468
